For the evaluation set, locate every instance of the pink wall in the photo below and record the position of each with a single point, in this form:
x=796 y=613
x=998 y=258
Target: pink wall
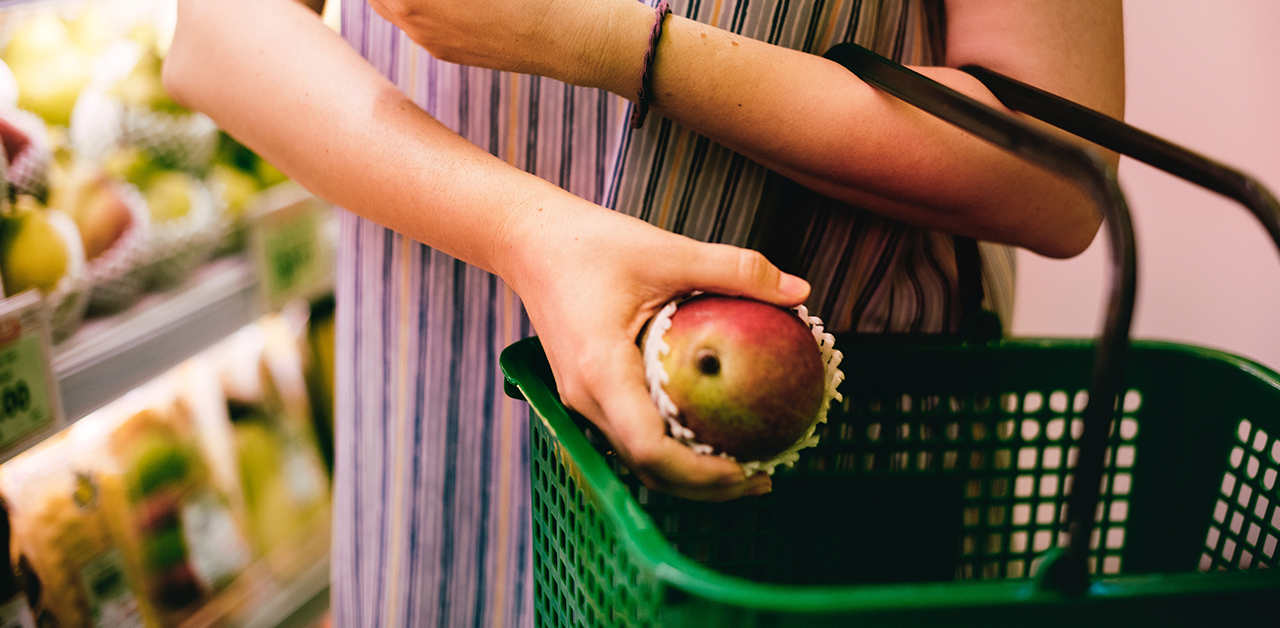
x=1205 y=75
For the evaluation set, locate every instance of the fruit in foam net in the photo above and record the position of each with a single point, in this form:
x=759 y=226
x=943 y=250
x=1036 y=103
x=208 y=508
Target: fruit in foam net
x=169 y=195
x=40 y=37
x=89 y=30
x=50 y=87
x=143 y=87
x=97 y=208
x=746 y=377
x=235 y=187
x=49 y=69
x=32 y=252
x=130 y=164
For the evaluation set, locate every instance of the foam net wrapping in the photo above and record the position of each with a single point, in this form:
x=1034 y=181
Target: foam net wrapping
x=29 y=170
x=69 y=299
x=120 y=274
x=655 y=348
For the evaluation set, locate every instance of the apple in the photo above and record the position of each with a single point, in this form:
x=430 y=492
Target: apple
x=94 y=203
x=168 y=195
x=746 y=377
x=90 y=31
x=32 y=252
x=49 y=69
x=143 y=87
x=50 y=86
x=130 y=164
x=235 y=187
x=40 y=37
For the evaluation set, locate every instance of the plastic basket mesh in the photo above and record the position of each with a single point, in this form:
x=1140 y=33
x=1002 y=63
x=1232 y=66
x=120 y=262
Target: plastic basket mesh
x=943 y=466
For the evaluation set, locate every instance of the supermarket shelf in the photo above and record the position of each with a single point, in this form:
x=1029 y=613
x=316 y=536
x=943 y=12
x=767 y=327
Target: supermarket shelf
x=107 y=357
x=110 y=356
x=258 y=600
x=298 y=605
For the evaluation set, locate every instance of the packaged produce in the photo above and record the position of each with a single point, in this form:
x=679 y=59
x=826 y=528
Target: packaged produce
x=15 y=609
x=29 y=168
x=284 y=479
x=321 y=369
x=114 y=225
x=125 y=123
x=41 y=249
x=180 y=533
x=49 y=65
x=186 y=226
x=74 y=562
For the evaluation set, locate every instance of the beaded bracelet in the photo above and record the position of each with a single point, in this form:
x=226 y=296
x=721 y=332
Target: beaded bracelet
x=646 y=82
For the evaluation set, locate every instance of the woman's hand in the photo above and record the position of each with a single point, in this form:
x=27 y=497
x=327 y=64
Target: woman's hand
x=590 y=279
x=576 y=41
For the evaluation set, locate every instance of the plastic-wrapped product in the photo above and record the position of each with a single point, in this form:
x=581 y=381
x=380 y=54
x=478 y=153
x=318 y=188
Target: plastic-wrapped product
x=77 y=567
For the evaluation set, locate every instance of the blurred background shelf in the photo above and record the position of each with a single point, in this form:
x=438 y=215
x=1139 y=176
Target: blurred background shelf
x=109 y=356
x=259 y=602
x=299 y=605
x=197 y=397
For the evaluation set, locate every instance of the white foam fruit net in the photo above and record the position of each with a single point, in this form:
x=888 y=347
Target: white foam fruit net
x=655 y=348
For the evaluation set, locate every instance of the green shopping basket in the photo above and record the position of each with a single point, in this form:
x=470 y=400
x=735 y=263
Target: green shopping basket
x=965 y=484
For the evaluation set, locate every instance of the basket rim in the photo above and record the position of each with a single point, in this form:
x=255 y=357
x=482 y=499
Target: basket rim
x=524 y=363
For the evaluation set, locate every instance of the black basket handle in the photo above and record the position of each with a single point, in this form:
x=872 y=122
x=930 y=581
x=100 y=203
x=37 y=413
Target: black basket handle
x=1069 y=573
x=1122 y=138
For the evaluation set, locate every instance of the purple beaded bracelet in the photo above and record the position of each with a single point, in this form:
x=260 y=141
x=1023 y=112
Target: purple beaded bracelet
x=646 y=82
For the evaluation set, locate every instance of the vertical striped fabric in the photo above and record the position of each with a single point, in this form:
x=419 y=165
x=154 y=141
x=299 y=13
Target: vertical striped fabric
x=431 y=495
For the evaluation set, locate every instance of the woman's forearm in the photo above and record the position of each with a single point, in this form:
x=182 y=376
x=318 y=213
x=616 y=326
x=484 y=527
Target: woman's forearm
x=813 y=121
x=272 y=75
x=809 y=118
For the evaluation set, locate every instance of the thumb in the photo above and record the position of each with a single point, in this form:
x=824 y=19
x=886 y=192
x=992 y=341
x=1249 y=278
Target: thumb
x=734 y=271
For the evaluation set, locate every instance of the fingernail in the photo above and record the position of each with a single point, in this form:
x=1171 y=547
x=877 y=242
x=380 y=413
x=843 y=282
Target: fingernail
x=793 y=287
x=763 y=489
x=735 y=478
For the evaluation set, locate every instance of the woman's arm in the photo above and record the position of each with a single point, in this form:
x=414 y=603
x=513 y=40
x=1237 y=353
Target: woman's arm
x=812 y=120
x=271 y=74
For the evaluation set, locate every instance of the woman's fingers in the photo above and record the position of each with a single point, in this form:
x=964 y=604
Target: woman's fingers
x=734 y=271
x=622 y=272
x=640 y=432
x=611 y=392
x=758 y=484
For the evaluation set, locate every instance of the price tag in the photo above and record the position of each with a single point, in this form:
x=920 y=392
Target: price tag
x=294 y=247
x=30 y=406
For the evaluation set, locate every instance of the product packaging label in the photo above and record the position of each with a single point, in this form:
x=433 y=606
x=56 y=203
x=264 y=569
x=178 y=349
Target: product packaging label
x=217 y=550
x=294 y=250
x=29 y=401
x=110 y=597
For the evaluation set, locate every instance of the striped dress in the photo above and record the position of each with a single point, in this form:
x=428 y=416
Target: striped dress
x=431 y=491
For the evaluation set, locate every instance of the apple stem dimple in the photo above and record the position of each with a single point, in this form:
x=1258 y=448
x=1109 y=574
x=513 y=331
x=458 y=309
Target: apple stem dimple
x=708 y=362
